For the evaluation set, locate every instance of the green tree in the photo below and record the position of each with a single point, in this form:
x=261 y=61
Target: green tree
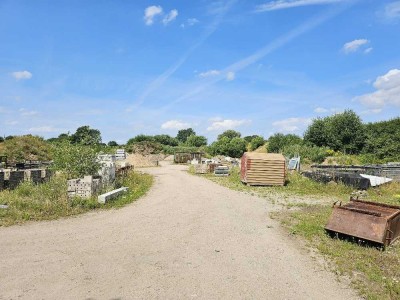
x=318 y=133
x=75 y=160
x=86 y=136
x=196 y=141
x=140 y=138
x=165 y=139
x=230 y=147
x=230 y=134
x=183 y=134
x=256 y=142
x=383 y=140
x=112 y=144
x=341 y=132
x=278 y=141
x=1 y=139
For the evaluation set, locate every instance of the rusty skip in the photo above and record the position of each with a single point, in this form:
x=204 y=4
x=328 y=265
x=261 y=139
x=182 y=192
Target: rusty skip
x=372 y=221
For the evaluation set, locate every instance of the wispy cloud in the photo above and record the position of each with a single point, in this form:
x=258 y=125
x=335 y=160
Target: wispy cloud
x=190 y=22
x=175 y=124
x=368 y=50
x=261 y=53
x=170 y=16
x=209 y=73
x=284 y=4
x=18 y=75
x=291 y=124
x=392 y=10
x=43 y=129
x=156 y=83
x=387 y=91
x=354 y=45
x=230 y=76
x=220 y=125
x=320 y=110
x=26 y=113
x=150 y=13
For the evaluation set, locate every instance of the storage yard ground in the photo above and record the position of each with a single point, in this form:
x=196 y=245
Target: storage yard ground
x=188 y=238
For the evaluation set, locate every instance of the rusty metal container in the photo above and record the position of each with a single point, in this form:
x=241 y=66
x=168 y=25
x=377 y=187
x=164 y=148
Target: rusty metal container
x=371 y=221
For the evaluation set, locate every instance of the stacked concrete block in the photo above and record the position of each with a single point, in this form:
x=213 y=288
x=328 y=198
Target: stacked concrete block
x=83 y=187
x=108 y=167
x=1 y=181
x=120 y=154
x=16 y=177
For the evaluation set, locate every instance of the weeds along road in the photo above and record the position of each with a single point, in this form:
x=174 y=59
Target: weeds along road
x=187 y=239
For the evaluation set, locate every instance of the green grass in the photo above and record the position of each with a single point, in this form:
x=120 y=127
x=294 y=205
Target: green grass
x=296 y=184
x=50 y=201
x=374 y=273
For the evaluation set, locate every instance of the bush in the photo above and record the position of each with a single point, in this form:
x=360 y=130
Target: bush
x=341 y=132
x=75 y=160
x=256 y=142
x=311 y=153
x=279 y=141
x=26 y=147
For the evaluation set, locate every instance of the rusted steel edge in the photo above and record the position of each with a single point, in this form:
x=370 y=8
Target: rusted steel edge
x=375 y=203
x=361 y=211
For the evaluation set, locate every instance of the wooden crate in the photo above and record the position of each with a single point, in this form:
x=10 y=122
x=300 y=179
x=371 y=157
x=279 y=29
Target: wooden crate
x=263 y=169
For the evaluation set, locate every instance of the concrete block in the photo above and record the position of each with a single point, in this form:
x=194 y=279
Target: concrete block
x=104 y=198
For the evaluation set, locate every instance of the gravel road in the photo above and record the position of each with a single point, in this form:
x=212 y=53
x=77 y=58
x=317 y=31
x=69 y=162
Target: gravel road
x=187 y=239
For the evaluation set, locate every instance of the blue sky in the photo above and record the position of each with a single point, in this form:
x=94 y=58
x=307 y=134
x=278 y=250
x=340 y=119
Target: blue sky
x=154 y=67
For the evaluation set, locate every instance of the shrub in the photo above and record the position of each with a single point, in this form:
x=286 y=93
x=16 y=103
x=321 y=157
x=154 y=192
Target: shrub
x=75 y=160
x=312 y=153
x=279 y=141
x=26 y=147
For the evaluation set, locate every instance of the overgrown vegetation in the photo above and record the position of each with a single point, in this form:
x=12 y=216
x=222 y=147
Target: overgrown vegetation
x=50 y=201
x=25 y=147
x=372 y=271
x=342 y=135
x=75 y=161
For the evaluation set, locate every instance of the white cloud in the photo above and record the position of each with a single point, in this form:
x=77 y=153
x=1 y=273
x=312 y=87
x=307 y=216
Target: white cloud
x=22 y=75
x=320 y=110
x=387 y=91
x=192 y=21
x=230 y=76
x=43 y=129
x=209 y=73
x=291 y=124
x=368 y=50
x=392 y=10
x=170 y=17
x=226 y=124
x=371 y=111
x=150 y=13
x=175 y=124
x=284 y=4
x=353 y=46
x=27 y=113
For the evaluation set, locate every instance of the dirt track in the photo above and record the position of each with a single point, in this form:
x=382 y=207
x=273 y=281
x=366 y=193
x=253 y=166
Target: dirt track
x=187 y=239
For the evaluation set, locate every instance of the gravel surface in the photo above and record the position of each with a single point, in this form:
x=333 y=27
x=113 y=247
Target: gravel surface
x=188 y=238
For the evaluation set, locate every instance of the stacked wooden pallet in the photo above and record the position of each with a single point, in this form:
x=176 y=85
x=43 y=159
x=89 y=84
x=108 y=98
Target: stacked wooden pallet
x=263 y=169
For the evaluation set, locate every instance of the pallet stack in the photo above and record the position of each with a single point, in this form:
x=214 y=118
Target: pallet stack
x=263 y=169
